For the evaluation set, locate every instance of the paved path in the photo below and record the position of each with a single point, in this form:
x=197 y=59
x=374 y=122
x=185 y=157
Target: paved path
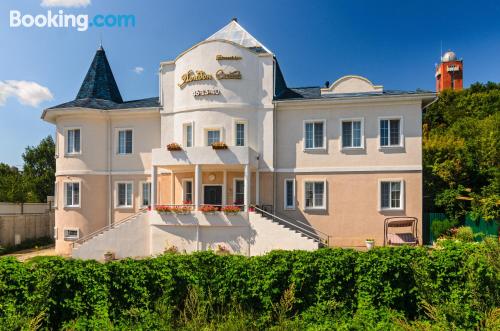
x=29 y=253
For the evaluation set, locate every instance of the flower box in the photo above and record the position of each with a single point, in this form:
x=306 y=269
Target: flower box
x=174 y=147
x=231 y=210
x=208 y=209
x=164 y=209
x=182 y=210
x=219 y=145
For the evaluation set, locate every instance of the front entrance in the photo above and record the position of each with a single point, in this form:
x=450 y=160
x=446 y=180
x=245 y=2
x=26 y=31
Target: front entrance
x=212 y=195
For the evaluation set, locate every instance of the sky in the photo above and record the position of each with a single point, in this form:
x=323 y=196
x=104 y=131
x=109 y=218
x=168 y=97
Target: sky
x=392 y=43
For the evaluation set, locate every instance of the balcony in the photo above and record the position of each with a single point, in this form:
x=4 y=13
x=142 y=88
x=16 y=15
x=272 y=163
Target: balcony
x=233 y=155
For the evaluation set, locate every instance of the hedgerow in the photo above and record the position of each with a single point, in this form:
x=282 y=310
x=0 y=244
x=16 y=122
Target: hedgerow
x=456 y=286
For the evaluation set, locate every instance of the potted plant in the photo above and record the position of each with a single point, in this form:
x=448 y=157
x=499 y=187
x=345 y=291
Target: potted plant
x=370 y=243
x=231 y=210
x=208 y=209
x=182 y=210
x=174 y=147
x=219 y=145
x=109 y=256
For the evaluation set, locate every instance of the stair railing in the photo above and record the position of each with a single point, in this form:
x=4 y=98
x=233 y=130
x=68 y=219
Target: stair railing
x=303 y=228
x=107 y=227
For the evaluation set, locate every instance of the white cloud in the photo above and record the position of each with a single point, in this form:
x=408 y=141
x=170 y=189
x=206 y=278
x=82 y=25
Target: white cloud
x=65 y=3
x=27 y=93
x=138 y=70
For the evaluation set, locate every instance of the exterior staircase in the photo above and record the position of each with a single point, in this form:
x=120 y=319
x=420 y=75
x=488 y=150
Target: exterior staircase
x=127 y=238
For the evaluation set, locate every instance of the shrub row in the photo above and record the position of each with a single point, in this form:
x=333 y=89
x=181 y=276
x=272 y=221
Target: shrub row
x=457 y=284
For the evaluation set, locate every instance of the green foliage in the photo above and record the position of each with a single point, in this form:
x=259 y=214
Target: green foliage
x=454 y=287
x=36 y=181
x=441 y=227
x=465 y=234
x=461 y=152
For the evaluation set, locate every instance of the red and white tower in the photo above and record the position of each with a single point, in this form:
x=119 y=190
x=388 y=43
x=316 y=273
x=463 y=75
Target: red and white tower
x=449 y=73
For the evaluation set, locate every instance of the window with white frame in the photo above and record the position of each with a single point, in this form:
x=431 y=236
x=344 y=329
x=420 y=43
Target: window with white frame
x=145 y=194
x=289 y=195
x=187 y=187
x=240 y=134
x=213 y=136
x=391 y=194
x=239 y=191
x=72 y=194
x=73 y=141
x=314 y=134
x=390 y=132
x=188 y=135
x=124 y=194
x=125 y=137
x=314 y=195
x=352 y=133
x=71 y=234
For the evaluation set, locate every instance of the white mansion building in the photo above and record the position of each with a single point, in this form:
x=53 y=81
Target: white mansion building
x=305 y=167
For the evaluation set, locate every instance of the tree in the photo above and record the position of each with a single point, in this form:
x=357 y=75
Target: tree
x=40 y=167
x=461 y=152
x=13 y=186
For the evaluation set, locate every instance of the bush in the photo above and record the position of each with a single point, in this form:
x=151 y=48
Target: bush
x=454 y=287
x=441 y=227
x=465 y=234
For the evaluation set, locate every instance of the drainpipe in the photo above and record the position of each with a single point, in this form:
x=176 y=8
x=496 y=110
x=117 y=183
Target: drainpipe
x=109 y=166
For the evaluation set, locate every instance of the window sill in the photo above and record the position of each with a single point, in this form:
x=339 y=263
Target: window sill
x=70 y=239
x=390 y=209
x=72 y=207
x=124 y=207
x=289 y=208
x=314 y=208
x=346 y=149
x=315 y=149
x=72 y=154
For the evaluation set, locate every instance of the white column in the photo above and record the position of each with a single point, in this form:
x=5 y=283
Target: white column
x=247 y=186
x=224 y=187
x=197 y=186
x=257 y=187
x=154 y=185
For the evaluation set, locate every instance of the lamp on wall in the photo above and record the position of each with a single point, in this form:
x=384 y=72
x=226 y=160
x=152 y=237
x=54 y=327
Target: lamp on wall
x=211 y=177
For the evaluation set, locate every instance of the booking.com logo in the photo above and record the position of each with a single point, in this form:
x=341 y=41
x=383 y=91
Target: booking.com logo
x=61 y=20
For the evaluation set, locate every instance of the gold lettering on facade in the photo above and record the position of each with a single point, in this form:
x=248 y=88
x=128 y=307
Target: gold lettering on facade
x=229 y=57
x=191 y=76
x=220 y=74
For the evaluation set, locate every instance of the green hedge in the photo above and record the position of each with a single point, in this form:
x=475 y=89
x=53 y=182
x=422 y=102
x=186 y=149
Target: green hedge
x=456 y=286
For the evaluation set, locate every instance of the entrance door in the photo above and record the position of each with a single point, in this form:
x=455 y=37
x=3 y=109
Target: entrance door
x=212 y=195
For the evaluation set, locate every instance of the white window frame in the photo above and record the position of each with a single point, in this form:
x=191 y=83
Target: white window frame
x=205 y=134
x=66 y=140
x=79 y=193
x=401 y=132
x=56 y=193
x=323 y=207
x=285 y=205
x=245 y=132
x=184 y=134
x=241 y=179
x=117 y=206
x=354 y=119
x=401 y=194
x=71 y=238
x=141 y=195
x=184 y=180
x=117 y=139
x=304 y=135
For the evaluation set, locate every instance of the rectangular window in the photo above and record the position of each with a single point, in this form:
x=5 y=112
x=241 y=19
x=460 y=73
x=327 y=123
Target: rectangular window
x=125 y=194
x=390 y=132
x=314 y=135
x=213 y=136
x=125 y=141
x=314 y=195
x=72 y=194
x=240 y=134
x=146 y=194
x=239 y=191
x=71 y=234
x=289 y=193
x=188 y=135
x=73 y=141
x=391 y=195
x=188 y=191
x=351 y=134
